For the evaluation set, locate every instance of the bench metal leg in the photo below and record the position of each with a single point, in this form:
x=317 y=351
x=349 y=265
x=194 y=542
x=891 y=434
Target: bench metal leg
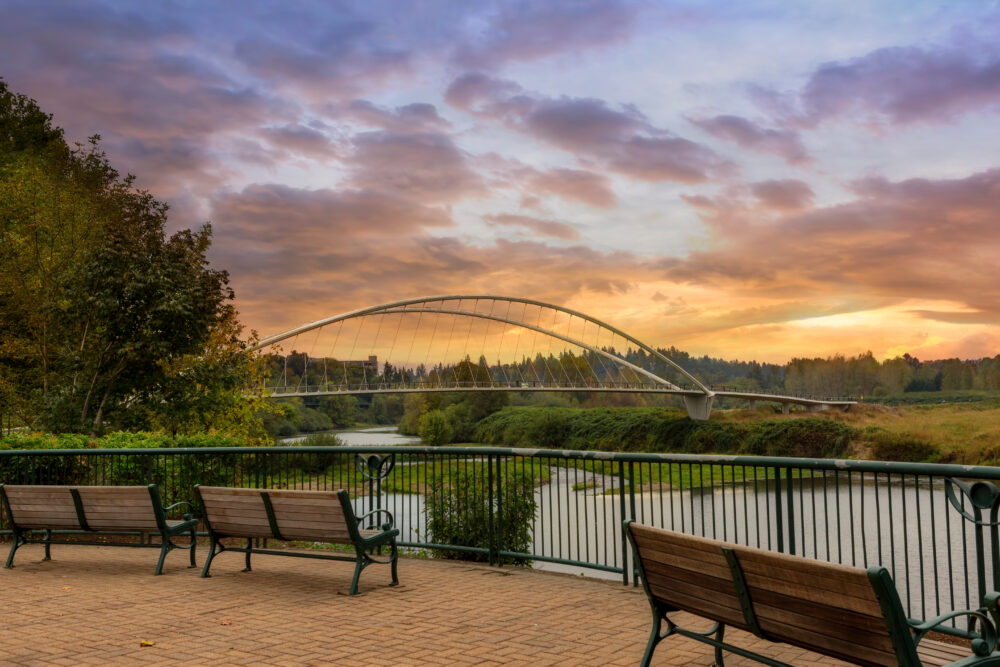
x=249 y=551
x=654 y=639
x=719 y=661
x=212 y=546
x=194 y=543
x=359 y=565
x=15 y=542
x=165 y=547
x=48 y=545
x=395 y=559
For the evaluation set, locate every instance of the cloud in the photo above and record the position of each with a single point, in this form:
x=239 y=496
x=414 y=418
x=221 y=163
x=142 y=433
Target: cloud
x=532 y=31
x=914 y=239
x=905 y=85
x=575 y=184
x=551 y=228
x=273 y=214
x=302 y=140
x=788 y=194
x=622 y=139
x=415 y=117
x=785 y=143
x=425 y=166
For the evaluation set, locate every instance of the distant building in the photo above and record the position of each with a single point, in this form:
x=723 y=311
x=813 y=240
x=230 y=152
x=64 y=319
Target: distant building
x=370 y=365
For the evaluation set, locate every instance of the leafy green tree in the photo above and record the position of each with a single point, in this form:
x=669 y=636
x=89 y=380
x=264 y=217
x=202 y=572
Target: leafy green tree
x=434 y=428
x=105 y=321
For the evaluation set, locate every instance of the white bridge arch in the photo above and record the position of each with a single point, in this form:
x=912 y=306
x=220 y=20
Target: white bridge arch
x=604 y=367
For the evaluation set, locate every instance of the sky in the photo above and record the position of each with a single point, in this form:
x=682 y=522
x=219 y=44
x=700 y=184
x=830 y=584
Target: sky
x=746 y=180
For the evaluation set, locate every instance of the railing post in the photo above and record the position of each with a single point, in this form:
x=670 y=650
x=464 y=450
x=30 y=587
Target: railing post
x=790 y=500
x=779 y=524
x=621 y=496
x=633 y=515
x=499 y=514
x=492 y=533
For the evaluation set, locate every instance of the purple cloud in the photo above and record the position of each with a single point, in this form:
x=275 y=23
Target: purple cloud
x=531 y=31
x=788 y=194
x=622 y=139
x=551 y=228
x=784 y=143
x=905 y=85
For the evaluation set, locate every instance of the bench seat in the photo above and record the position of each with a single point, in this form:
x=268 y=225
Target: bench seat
x=844 y=612
x=288 y=515
x=93 y=511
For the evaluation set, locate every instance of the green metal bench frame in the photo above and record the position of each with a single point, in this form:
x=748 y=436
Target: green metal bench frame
x=167 y=531
x=364 y=547
x=904 y=633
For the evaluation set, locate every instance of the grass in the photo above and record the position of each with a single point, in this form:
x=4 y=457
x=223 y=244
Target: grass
x=965 y=432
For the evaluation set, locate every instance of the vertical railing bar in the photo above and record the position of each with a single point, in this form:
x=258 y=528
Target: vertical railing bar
x=878 y=520
x=790 y=502
x=965 y=555
x=826 y=517
x=892 y=526
x=779 y=529
x=906 y=550
x=920 y=546
x=621 y=496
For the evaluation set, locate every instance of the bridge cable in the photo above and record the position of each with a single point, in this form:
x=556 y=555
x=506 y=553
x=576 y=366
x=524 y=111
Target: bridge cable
x=447 y=350
x=430 y=344
x=392 y=348
x=333 y=348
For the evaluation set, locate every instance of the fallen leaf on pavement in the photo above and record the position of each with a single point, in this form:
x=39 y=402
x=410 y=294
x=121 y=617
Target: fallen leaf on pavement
x=146 y=642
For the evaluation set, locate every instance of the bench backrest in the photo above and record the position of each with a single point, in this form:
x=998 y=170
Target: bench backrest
x=298 y=515
x=118 y=508
x=817 y=605
x=127 y=508
x=829 y=608
x=687 y=572
x=41 y=507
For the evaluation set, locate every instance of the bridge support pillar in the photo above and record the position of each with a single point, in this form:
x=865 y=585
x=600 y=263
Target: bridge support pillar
x=753 y=404
x=819 y=408
x=785 y=408
x=699 y=407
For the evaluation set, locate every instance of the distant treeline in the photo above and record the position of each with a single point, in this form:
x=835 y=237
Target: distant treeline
x=859 y=376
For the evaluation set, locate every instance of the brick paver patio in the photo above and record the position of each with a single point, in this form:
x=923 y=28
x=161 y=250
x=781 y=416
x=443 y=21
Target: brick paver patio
x=94 y=605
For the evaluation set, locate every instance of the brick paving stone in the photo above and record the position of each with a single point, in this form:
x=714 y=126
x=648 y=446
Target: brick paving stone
x=93 y=605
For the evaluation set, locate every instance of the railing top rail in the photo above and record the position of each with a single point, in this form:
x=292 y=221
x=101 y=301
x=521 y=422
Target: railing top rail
x=843 y=465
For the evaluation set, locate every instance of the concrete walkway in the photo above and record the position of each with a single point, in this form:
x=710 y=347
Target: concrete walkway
x=94 y=605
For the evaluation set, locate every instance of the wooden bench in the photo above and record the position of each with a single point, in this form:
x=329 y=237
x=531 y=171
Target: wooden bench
x=314 y=516
x=836 y=610
x=93 y=510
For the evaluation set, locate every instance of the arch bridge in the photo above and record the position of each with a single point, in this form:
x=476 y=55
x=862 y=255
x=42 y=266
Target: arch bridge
x=484 y=343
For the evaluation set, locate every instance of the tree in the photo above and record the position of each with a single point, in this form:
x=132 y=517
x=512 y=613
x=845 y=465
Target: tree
x=104 y=319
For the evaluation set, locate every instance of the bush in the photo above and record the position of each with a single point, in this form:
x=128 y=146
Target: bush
x=889 y=446
x=458 y=512
x=809 y=438
x=434 y=429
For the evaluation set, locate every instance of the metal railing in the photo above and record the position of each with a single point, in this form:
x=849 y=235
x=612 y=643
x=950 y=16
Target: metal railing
x=933 y=526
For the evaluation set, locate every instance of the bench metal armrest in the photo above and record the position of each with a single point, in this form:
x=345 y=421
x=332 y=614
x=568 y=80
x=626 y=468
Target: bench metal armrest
x=981 y=646
x=992 y=604
x=384 y=526
x=187 y=515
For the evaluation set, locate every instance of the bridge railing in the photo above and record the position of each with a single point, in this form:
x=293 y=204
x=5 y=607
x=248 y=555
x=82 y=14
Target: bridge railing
x=933 y=526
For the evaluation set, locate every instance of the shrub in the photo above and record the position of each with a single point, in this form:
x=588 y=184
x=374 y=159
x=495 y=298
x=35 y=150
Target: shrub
x=458 y=512
x=889 y=446
x=810 y=438
x=434 y=428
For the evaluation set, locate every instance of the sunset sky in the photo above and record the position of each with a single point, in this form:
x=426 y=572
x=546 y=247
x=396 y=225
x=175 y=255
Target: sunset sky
x=748 y=180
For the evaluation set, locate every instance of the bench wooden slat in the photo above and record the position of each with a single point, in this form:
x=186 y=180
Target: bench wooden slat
x=938 y=654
